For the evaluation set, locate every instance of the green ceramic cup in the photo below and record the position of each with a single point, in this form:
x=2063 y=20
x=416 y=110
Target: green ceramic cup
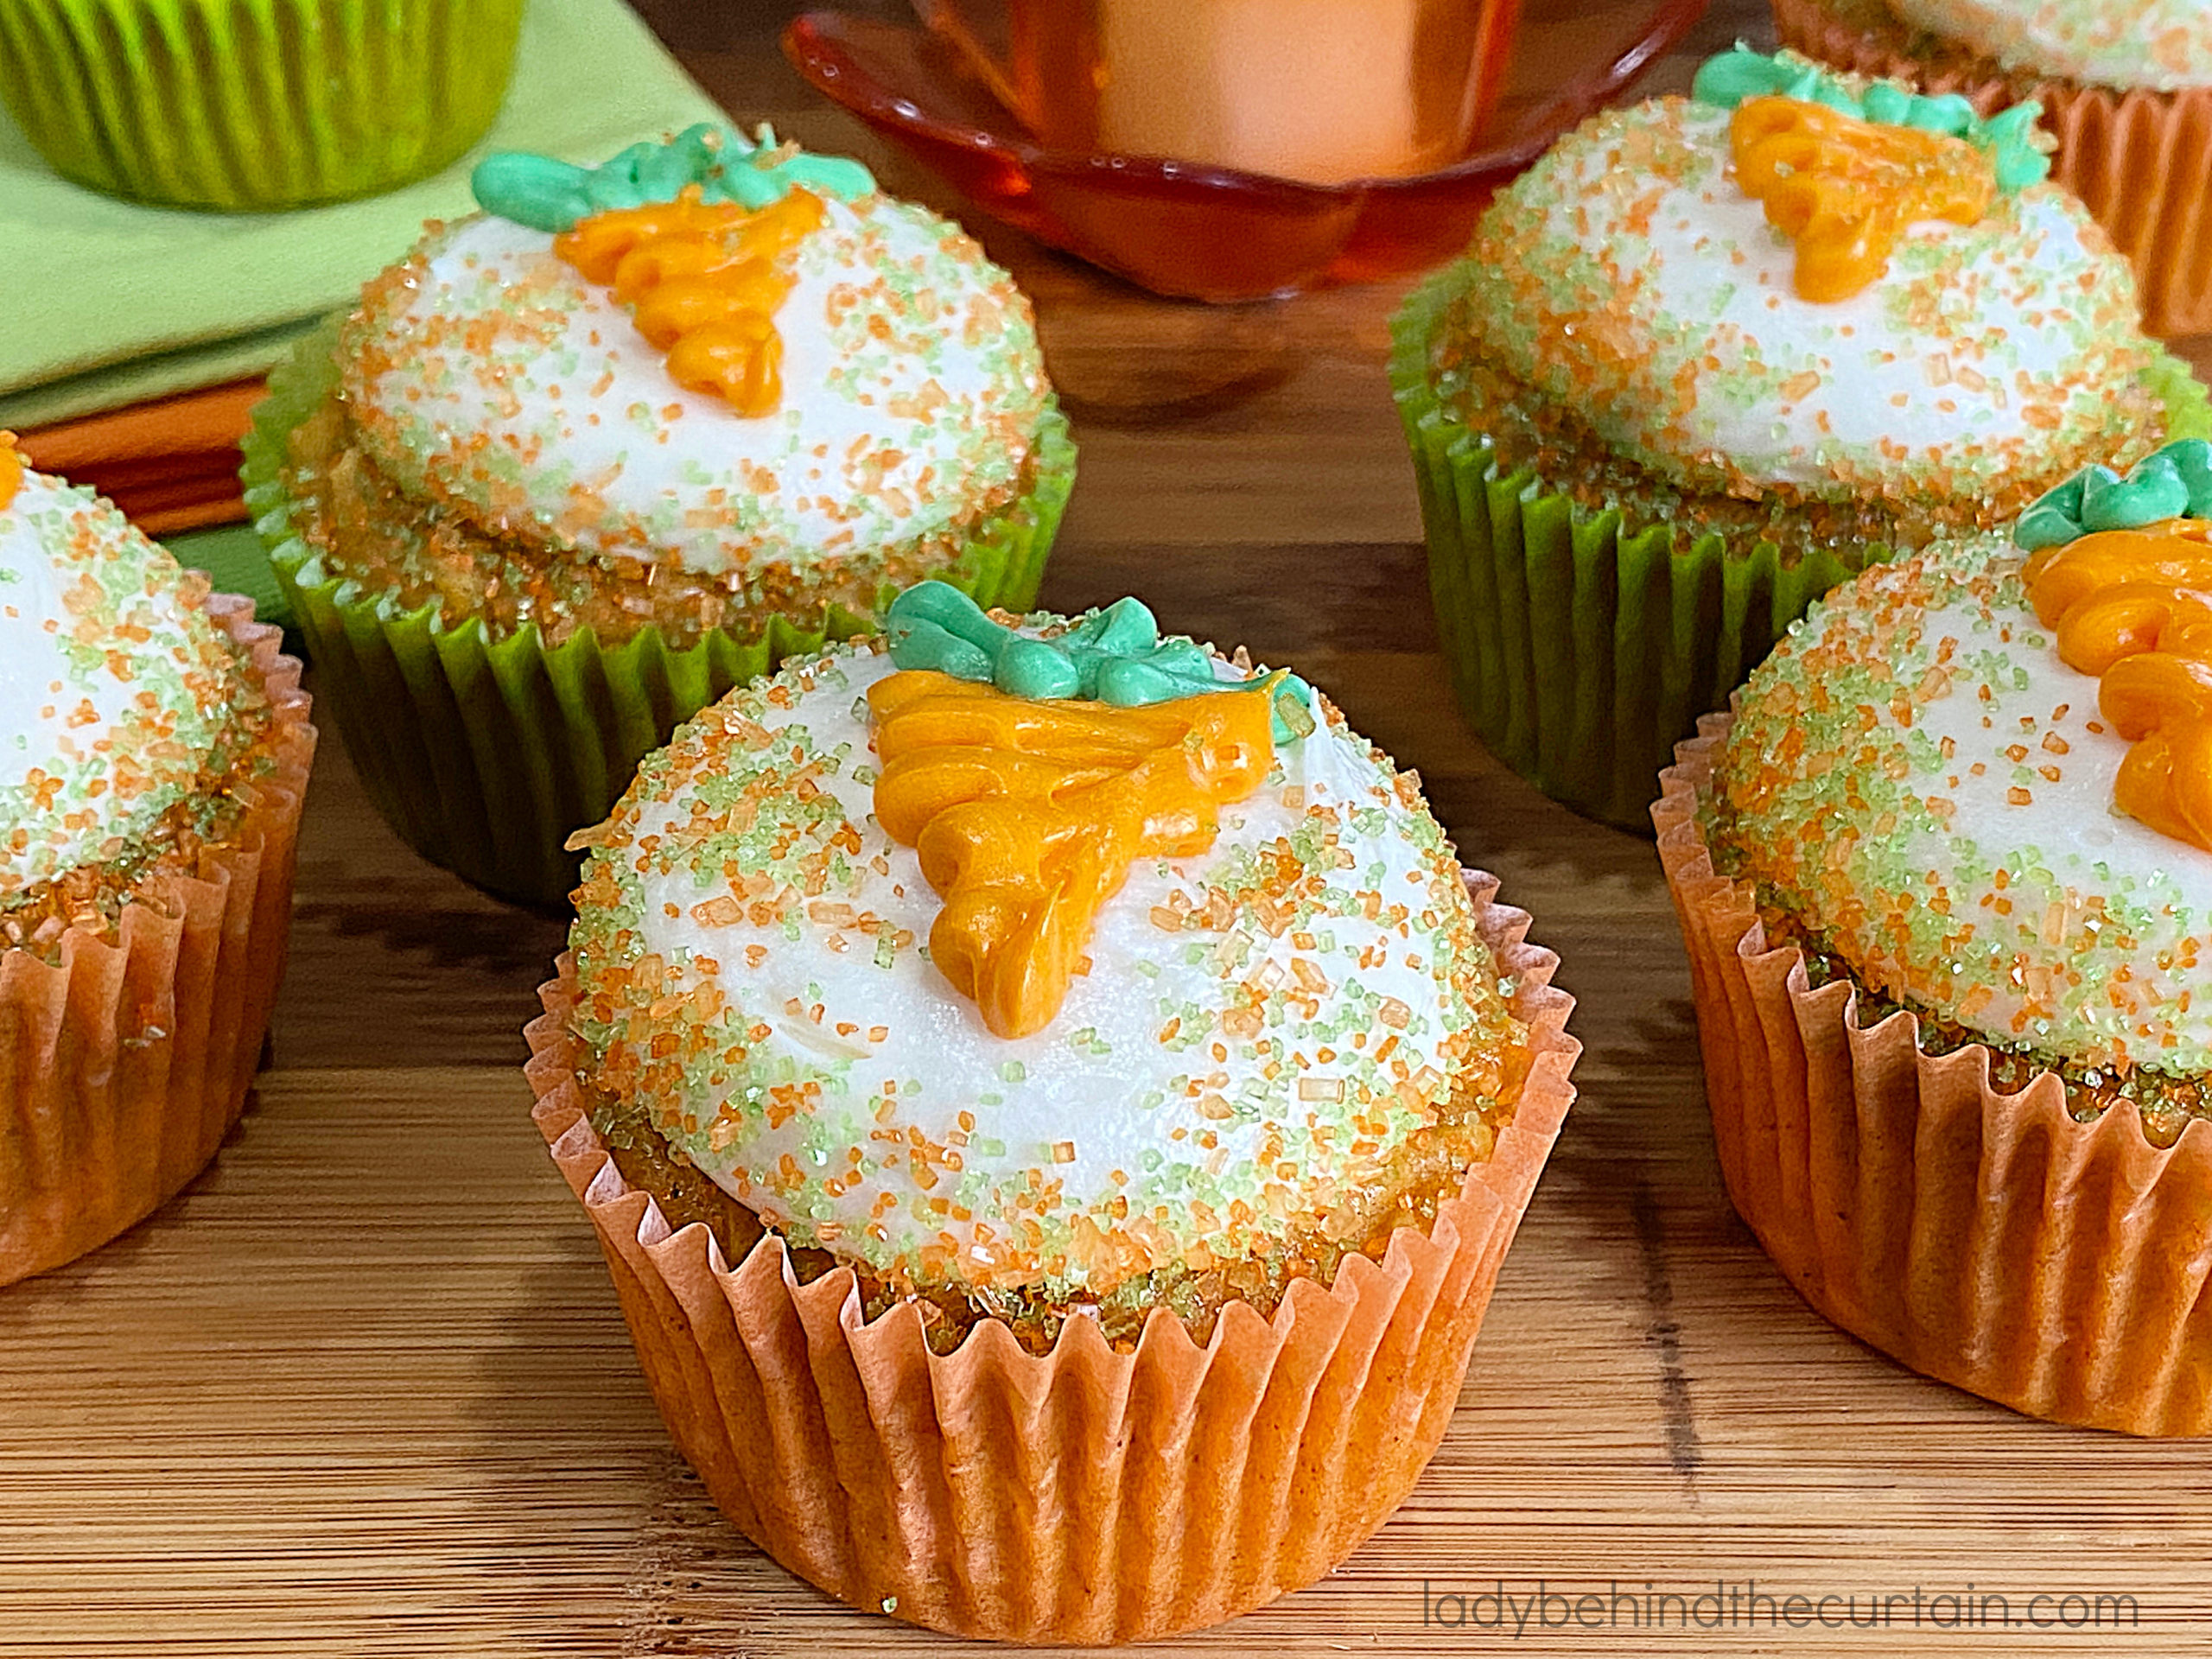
x=254 y=103
x=486 y=754
x=1583 y=645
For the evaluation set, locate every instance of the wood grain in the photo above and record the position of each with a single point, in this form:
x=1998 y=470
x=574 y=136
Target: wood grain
x=364 y=1388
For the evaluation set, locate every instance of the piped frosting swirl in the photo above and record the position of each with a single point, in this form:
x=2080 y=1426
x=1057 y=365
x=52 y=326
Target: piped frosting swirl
x=1268 y=1026
x=1627 y=287
x=489 y=379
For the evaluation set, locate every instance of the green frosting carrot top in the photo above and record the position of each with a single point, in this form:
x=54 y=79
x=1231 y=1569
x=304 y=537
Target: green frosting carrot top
x=2007 y=138
x=551 y=196
x=1114 y=656
x=2172 y=482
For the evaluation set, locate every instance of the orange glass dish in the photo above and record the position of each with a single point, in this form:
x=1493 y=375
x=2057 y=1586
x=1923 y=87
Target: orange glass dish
x=1028 y=814
x=1843 y=190
x=1322 y=91
x=702 y=284
x=2133 y=608
x=1202 y=230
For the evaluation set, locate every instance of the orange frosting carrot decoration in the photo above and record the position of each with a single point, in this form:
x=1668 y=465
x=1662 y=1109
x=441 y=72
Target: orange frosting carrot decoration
x=2134 y=607
x=11 y=468
x=703 y=283
x=1843 y=190
x=1027 y=814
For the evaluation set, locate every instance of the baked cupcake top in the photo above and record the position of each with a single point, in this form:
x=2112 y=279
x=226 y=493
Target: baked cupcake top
x=1248 y=1009
x=1932 y=321
x=1960 y=773
x=117 y=694
x=717 y=352
x=2162 y=44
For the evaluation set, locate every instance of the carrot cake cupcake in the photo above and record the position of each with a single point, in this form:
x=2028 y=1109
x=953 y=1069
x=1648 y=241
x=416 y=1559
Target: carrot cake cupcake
x=2125 y=86
x=581 y=463
x=153 y=750
x=1049 y=1006
x=1710 y=354
x=1957 y=836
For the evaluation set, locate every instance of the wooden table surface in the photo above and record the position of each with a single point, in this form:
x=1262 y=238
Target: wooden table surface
x=364 y=1389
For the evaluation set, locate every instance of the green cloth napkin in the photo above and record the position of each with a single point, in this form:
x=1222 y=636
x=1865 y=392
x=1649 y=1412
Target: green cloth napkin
x=133 y=301
x=235 y=562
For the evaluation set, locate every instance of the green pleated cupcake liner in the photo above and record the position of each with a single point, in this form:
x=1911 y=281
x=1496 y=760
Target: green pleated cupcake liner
x=486 y=754
x=254 y=103
x=1582 y=645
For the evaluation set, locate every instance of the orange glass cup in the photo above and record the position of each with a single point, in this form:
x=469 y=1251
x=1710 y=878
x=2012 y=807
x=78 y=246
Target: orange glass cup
x=1319 y=90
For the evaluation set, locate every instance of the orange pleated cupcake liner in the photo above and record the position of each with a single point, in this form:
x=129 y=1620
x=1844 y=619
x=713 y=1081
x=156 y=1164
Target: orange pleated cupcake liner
x=1081 y=1495
x=125 y=1064
x=2140 y=159
x=1986 y=1239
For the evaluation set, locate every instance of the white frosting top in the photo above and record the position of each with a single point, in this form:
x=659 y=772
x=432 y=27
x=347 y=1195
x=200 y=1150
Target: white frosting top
x=488 y=373
x=114 y=685
x=1262 y=1026
x=2164 y=44
x=1923 y=780
x=1630 y=279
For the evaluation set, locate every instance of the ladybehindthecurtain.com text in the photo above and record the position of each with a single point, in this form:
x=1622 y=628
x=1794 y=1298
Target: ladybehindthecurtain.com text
x=1520 y=1608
